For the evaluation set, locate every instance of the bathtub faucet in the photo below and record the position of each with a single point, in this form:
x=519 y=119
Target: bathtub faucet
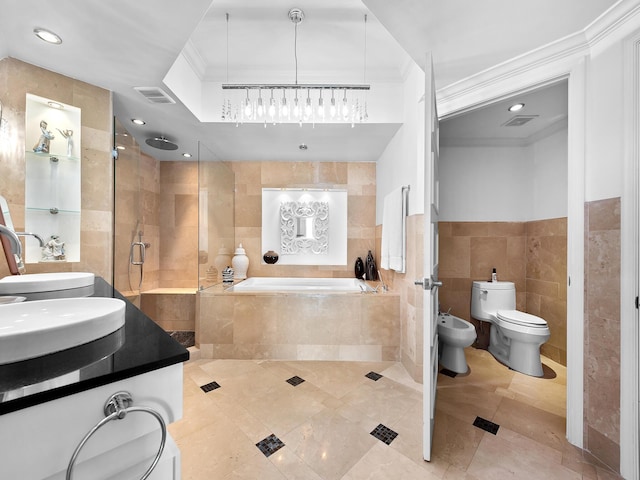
x=16 y=246
x=382 y=284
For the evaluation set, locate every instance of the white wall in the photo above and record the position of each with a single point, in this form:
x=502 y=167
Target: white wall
x=402 y=162
x=479 y=184
x=550 y=177
x=504 y=184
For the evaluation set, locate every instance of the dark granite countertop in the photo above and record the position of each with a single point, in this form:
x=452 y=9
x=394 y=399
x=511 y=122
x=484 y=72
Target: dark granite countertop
x=140 y=346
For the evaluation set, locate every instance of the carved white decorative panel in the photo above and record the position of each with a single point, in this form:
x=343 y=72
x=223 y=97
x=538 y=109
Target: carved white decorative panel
x=305 y=226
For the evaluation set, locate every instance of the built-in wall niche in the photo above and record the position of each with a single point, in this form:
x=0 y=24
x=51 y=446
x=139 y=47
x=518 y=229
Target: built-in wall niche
x=305 y=226
x=52 y=180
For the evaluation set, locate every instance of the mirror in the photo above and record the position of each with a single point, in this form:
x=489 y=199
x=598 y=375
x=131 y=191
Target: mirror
x=305 y=226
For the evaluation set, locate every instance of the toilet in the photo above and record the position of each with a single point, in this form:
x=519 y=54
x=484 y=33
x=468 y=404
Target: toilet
x=515 y=337
x=455 y=335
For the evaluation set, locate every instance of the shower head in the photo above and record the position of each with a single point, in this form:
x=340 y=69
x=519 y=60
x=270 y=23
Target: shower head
x=162 y=143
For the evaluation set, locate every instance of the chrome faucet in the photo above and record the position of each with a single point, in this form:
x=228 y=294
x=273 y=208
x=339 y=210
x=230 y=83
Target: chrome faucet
x=35 y=235
x=16 y=246
x=382 y=284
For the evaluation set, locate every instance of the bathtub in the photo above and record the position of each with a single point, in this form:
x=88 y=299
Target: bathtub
x=309 y=285
x=282 y=318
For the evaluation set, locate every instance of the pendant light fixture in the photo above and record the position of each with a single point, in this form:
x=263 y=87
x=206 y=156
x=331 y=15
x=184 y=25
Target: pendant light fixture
x=249 y=107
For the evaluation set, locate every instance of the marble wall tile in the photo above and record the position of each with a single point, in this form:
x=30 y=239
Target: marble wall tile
x=602 y=330
x=16 y=80
x=358 y=179
x=530 y=254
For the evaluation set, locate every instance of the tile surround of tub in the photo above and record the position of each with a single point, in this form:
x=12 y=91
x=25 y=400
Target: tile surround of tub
x=602 y=330
x=533 y=255
x=16 y=80
x=359 y=179
x=298 y=326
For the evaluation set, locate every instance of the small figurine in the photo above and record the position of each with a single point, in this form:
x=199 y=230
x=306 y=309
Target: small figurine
x=45 y=137
x=53 y=250
x=68 y=134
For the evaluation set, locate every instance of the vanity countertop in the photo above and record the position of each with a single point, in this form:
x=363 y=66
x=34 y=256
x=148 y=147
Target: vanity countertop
x=139 y=347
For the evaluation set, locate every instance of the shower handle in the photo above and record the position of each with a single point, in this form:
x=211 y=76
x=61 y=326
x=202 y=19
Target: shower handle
x=142 y=249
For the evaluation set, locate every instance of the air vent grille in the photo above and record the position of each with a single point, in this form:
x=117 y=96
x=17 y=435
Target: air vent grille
x=155 y=95
x=519 y=120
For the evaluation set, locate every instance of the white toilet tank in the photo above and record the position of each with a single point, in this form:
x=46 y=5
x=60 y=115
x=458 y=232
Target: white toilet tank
x=489 y=297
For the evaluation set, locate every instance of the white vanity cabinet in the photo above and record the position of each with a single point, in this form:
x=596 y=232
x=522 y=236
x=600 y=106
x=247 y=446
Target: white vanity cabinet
x=37 y=442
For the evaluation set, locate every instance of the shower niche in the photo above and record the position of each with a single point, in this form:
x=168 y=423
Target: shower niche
x=52 y=180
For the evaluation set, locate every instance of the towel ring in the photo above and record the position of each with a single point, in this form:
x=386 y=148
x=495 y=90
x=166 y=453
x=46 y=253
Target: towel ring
x=117 y=407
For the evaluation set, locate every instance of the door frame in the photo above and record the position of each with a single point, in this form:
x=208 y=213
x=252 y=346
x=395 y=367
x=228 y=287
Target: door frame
x=543 y=67
x=630 y=267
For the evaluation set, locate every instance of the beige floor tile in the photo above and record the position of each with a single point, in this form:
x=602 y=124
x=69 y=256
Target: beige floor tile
x=539 y=425
x=256 y=467
x=455 y=441
x=330 y=444
x=511 y=455
x=383 y=463
x=326 y=421
x=384 y=400
x=292 y=466
x=282 y=412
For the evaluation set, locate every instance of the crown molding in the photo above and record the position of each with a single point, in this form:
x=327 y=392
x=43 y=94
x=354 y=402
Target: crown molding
x=191 y=54
x=544 y=65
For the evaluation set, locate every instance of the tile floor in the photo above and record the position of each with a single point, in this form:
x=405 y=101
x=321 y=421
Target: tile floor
x=264 y=423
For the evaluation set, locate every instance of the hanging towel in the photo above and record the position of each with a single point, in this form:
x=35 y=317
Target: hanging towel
x=393 y=246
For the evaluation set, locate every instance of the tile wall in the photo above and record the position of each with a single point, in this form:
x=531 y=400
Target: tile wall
x=16 y=80
x=602 y=330
x=179 y=225
x=411 y=299
x=358 y=178
x=533 y=255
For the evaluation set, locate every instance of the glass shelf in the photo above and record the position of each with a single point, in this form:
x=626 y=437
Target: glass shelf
x=48 y=156
x=48 y=210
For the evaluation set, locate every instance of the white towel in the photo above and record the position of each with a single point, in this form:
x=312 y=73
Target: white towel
x=393 y=246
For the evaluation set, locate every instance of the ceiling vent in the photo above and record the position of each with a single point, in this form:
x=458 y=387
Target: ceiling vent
x=519 y=120
x=155 y=95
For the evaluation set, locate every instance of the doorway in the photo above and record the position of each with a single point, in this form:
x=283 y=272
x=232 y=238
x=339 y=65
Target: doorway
x=504 y=204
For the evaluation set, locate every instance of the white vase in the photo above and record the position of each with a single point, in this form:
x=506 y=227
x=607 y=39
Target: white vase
x=222 y=260
x=240 y=263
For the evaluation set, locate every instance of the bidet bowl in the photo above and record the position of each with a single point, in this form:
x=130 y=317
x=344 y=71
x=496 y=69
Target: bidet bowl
x=41 y=327
x=45 y=282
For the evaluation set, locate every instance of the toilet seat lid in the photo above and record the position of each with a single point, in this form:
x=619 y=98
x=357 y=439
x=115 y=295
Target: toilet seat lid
x=521 y=318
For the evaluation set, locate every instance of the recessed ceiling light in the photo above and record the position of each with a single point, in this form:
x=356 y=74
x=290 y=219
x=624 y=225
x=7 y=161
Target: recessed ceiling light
x=516 y=106
x=138 y=121
x=47 y=35
x=303 y=146
x=57 y=105
x=120 y=147
x=186 y=155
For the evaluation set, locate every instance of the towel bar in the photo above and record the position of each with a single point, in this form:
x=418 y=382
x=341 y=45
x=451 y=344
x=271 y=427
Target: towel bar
x=117 y=407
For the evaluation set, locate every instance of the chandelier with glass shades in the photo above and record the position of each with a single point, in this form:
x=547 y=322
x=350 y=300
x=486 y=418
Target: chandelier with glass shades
x=295 y=102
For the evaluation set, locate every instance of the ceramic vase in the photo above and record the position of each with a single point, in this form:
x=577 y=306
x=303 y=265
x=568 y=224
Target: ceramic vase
x=270 y=257
x=240 y=263
x=359 y=268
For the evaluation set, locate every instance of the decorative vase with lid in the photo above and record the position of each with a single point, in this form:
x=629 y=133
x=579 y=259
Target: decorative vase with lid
x=240 y=263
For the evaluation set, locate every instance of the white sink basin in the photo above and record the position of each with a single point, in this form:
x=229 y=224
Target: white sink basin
x=34 y=329
x=45 y=282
